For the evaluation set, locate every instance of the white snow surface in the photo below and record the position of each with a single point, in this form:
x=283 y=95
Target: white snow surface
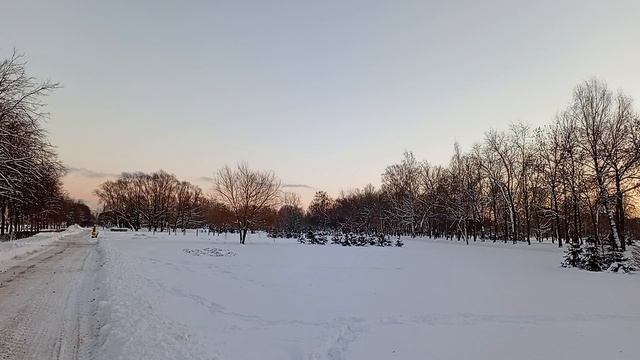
x=16 y=250
x=431 y=299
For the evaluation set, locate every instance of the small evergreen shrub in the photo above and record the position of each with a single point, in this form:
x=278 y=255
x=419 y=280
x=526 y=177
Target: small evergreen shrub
x=573 y=256
x=348 y=239
x=336 y=238
x=591 y=258
x=310 y=237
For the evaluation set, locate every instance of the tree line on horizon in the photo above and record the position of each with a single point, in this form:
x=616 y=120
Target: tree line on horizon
x=31 y=193
x=574 y=181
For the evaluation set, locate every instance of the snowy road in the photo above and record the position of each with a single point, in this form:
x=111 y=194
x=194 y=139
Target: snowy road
x=47 y=302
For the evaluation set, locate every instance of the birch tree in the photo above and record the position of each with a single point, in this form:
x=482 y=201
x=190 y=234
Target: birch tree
x=591 y=107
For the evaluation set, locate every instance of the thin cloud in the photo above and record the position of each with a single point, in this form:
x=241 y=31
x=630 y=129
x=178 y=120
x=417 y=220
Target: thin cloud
x=302 y=186
x=205 y=178
x=90 y=173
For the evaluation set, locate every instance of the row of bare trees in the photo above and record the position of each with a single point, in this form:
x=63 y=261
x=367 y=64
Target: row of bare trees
x=571 y=181
x=574 y=180
x=157 y=201
x=243 y=200
x=31 y=195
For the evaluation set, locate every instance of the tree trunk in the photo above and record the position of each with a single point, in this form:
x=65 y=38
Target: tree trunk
x=506 y=227
x=620 y=212
x=610 y=215
x=243 y=235
x=3 y=211
x=557 y=221
x=495 y=220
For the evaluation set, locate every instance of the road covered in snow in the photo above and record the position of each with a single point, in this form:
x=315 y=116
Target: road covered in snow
x=47 y=286
x=187 y=297
x=157 y=296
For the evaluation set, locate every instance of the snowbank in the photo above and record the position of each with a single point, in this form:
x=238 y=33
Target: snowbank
x=17 y=249
x=276 y=299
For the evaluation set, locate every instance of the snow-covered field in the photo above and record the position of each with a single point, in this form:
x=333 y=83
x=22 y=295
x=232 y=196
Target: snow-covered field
x=428 y=300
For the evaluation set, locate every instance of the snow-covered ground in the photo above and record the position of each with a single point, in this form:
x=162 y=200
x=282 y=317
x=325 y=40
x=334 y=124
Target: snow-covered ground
x=16 y=250
x=428 y=300
x=48 y=297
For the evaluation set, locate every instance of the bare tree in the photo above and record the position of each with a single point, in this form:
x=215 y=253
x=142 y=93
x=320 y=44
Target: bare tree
x=504 y=176
x=402 y=184
x=30 y=171
x=521 y=141
x=592 y=110
x=621 y=156
x=247 y=193
x=549 y=149
x=290 y=215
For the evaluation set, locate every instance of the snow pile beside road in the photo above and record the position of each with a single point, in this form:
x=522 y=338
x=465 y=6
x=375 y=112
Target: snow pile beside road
x=11 y=251
x=279 y=300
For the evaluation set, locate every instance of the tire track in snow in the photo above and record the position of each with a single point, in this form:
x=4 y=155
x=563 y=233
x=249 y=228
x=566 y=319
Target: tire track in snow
x=44 y=306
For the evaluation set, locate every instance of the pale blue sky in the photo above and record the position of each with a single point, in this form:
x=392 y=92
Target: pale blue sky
x=325 y=93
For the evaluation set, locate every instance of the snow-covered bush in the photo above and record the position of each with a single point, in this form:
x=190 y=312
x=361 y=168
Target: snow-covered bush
x=360 y=239
x=622 y=266
x=348 y=239
x=284 y=234
x=383 y=240
x=635 y=256
x=572 y=256
x=336 y=238
x=617 y=261
x=313 y=238
x=305 y=238
x=591 y=258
